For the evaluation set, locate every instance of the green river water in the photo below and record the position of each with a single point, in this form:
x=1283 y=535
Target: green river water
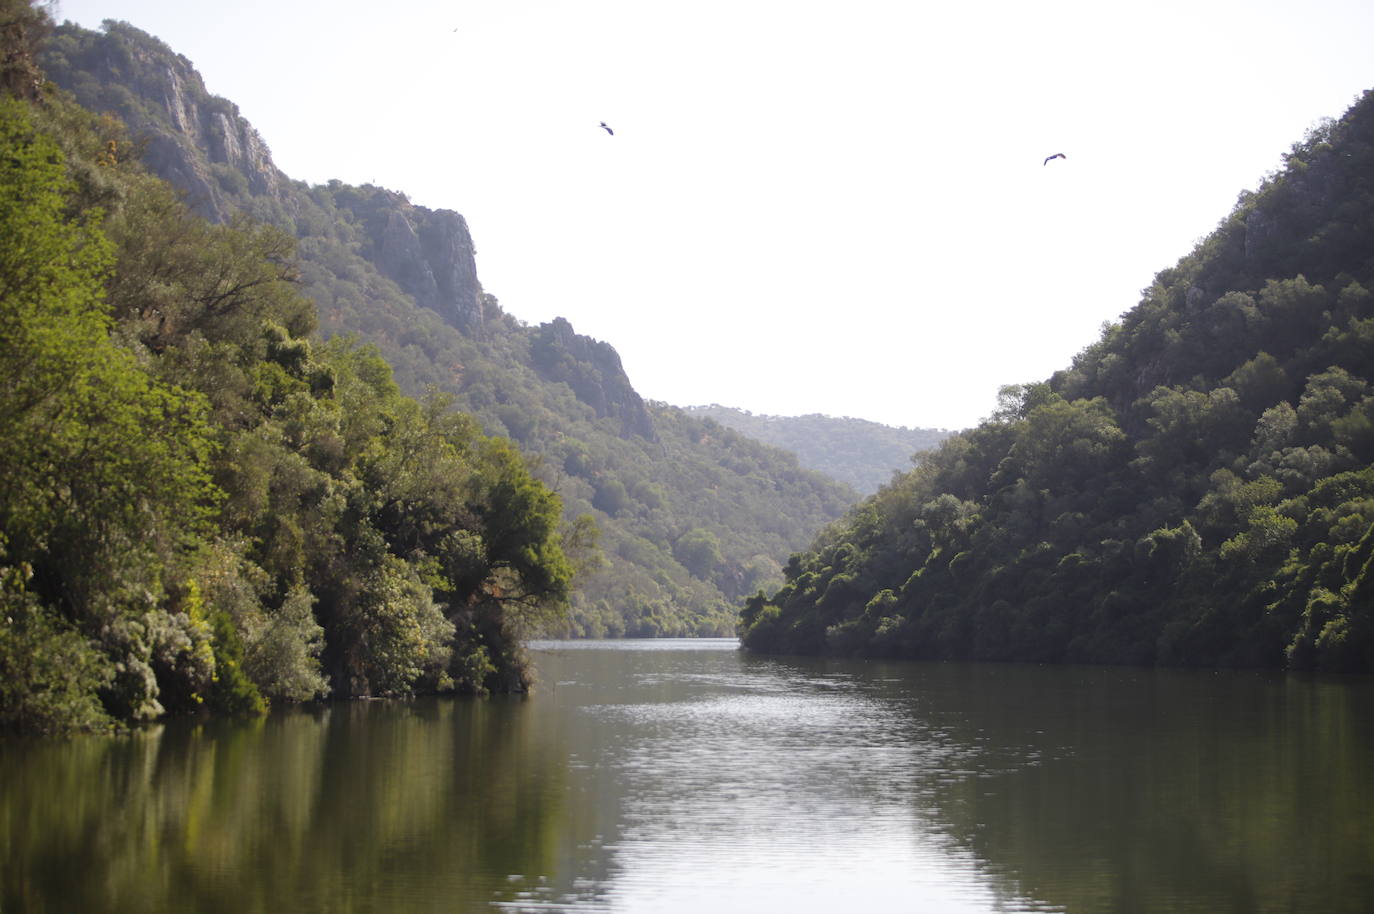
x=686 y=776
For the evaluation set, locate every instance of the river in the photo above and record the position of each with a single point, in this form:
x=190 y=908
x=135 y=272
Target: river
x=686 y=776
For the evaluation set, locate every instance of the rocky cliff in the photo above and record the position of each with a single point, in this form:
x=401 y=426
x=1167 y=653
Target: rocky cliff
x=428 y=253
x=197 y=141
x=593 y=370
x=202 y=145
x=20 y=27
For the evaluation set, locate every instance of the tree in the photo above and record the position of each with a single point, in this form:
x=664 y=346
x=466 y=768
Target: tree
x=699 y=551
x=106 y=483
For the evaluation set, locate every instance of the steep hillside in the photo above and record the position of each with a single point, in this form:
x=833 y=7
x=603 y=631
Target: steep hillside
x=1196 y=488
x=691 y=518
x=861 y=453
x=203 y=507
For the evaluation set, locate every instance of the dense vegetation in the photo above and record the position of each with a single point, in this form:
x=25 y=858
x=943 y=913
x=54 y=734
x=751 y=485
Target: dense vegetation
x=201 y=505
x=861 y=453
x=1195 y=489
x=692 y=517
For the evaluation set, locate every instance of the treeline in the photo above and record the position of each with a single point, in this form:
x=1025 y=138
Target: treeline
x=1195 y=489
x=202 y=506
x=692 y=517
x=857 y=452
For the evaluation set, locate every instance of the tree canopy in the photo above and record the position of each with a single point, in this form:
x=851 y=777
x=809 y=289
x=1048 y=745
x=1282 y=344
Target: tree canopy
x=1197 y=488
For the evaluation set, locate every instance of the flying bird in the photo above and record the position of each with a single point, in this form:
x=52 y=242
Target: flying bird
x=607 y=129
x=1057 y=155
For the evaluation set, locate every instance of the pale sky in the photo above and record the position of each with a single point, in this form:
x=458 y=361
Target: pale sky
x=834 y=207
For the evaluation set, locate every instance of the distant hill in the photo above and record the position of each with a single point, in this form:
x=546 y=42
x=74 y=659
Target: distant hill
x=1196 y=488
x=692 y=517
x=861 y=453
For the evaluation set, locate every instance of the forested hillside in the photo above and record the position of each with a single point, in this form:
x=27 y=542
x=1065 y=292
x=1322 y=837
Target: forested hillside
x=691 y=517
x=1195 y=489
x=858 y=452
x=204 y=504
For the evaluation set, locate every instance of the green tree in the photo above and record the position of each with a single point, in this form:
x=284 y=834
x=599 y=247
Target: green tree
x=699 y=551
x=106 y=484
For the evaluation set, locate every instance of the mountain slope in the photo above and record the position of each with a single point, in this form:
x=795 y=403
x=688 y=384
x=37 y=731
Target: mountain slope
x=858 y=452
x=203 y=508
x=1196 y=488
x=690 y=518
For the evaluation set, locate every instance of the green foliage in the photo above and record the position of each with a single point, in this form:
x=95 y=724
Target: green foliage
x=49 y=673
x=232 y=691
x=106 y=467
x=205 y=509
x=1195 y=489
x=699 y=551
x=282 y=658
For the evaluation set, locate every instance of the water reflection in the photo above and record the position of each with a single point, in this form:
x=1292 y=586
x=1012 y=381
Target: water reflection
x=685 y=776
x=742 y=784
x=1178 y=791
x=425 y=806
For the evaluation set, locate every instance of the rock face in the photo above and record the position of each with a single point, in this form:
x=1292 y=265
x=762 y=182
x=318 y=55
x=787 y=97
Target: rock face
x=448 y=249
x=200 y=144
x=593 y=370
x=428 y=253
x=197 y=141
x=19 y=74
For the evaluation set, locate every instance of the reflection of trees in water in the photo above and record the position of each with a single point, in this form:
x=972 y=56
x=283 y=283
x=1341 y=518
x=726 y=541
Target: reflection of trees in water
x=1167 y=791
x=363 y=806
x=1086 y=789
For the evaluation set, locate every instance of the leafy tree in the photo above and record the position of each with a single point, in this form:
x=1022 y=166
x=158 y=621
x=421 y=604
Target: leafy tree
x=106 y=480
x=699 y=551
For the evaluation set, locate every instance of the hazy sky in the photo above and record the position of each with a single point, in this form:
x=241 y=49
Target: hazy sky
x=834 y=207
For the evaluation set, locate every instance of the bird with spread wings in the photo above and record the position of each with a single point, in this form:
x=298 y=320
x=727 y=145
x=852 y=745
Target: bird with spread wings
x=1057 y=155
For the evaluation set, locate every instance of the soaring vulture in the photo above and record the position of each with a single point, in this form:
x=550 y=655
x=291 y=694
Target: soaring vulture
x=607 y=129
x=1057 y=155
